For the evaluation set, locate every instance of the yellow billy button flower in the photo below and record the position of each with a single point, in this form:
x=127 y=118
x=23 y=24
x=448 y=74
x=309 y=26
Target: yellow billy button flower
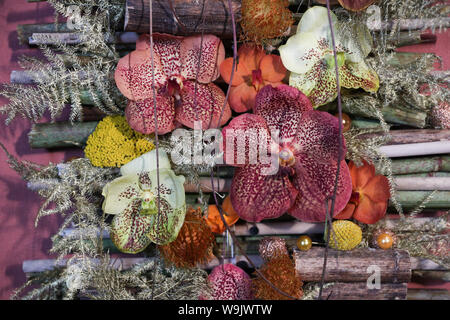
x=113 y=143
x=346 y=235
x=309 y=56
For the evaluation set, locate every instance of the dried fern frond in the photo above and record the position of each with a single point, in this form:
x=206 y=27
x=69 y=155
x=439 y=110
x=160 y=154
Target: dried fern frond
x=61 y=78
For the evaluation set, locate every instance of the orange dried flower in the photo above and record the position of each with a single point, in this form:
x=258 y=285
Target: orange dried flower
x=194 y=242
x=281 y=272
x=265 y=19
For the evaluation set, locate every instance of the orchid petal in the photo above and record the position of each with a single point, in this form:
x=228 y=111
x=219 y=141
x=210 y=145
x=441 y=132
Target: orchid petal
x=256 y=196
x=377 y=189
x=359 y=75
x=369 y=211
x=135 y=227
x=209 y=50
x=133 y=75
x=272 y=68
x=166 y=225
x=347 y=213
x=146 y=162
x=318 y=136
x=303 y=82
x=282 y=108
x=242 y=97
x=244 y=138
x=361 y=175
x=167 y=48
x=120 y=193
x=315 y=181
x=140 y=114
x=203 y=104
x=241 y=74
x=250 y=56
x=301 y=52
x=129 y=229
x=315 y=20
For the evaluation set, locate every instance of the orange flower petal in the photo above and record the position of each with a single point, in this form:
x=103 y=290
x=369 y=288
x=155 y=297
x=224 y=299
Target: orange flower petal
x=369 y=211
x=213 y=220
x=242 y=97
x=347 y=213
x=240 y=74
x=250 y=56
x=272 y=68
x=377 y=189
x=361 y=175
x=231 y=216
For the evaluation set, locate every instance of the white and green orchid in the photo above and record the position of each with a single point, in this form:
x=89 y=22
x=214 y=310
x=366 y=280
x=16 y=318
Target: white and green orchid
x=309 y=56
x=133 y=199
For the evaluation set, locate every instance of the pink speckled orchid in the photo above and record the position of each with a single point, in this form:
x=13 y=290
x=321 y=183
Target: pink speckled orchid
x=184 y=69
x=306 y=150
x=309 y=56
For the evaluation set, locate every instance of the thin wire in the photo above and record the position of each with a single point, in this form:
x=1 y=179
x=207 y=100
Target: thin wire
x=156 y=130
x=329 y=213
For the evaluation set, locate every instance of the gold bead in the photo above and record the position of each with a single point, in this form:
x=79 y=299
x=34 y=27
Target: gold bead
x=346 y=122
x=385 y=241
x=304 y=243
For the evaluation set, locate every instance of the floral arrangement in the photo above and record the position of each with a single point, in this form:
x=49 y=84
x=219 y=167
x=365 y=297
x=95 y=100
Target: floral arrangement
x=270 y=115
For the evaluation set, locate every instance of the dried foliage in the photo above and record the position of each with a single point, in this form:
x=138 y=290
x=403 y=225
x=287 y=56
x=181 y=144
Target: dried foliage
x=281 y=272
x=194 y=243
x=64 y=76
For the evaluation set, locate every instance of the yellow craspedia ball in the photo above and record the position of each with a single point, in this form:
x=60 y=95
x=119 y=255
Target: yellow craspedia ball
x=113 y=143
x=346 y=235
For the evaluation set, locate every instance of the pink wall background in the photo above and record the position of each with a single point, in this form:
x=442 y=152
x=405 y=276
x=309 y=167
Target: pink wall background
x=19 y=239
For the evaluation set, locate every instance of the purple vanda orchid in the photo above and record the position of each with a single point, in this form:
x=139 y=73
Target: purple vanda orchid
x=184 y=69
x=306 y=151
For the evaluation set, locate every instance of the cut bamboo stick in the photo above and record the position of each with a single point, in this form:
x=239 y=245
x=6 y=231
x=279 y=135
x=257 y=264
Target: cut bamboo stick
x=412 y=136
x=416 y=149
x=424 y=175
x=410 y=24
x=421 y=165
x=25 y=31
x=57 y=135
x=426 y=183
x=411 y=199
x=76 y=38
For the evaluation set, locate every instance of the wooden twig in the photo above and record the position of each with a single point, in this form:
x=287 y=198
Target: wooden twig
x=352 y=266
x=217 y=18
x=359 y=291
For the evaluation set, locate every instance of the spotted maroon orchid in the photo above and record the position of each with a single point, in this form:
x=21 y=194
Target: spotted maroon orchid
x=184 y=69
x=306 y=151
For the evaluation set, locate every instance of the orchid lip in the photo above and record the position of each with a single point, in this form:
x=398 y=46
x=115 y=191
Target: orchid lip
x=286 y=157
